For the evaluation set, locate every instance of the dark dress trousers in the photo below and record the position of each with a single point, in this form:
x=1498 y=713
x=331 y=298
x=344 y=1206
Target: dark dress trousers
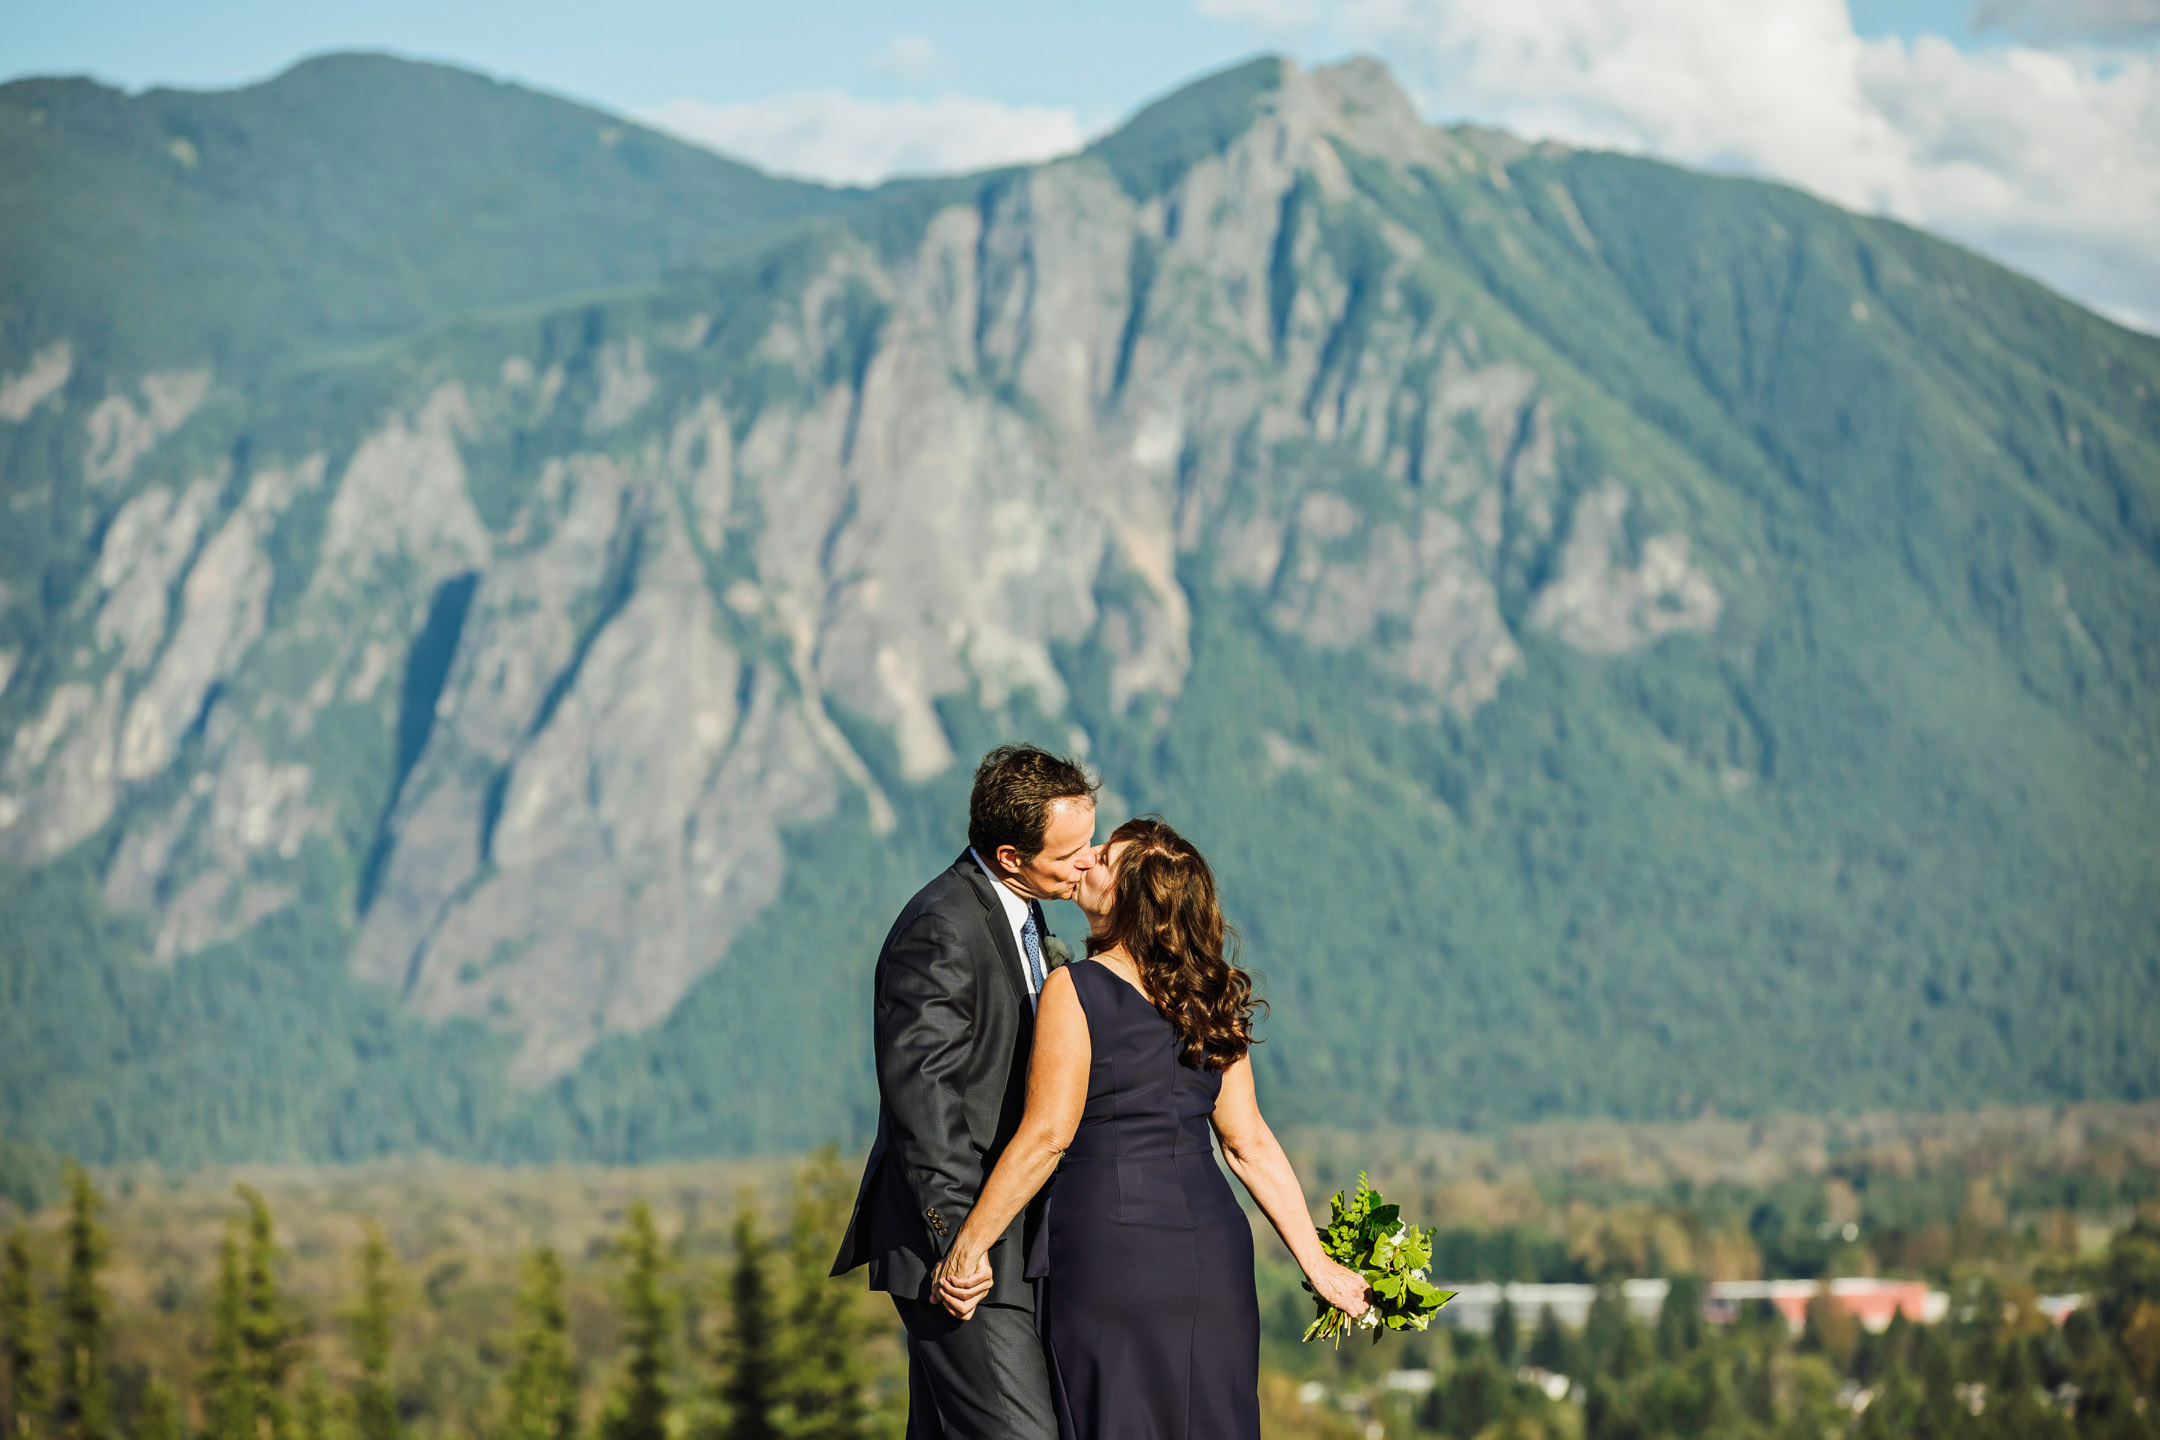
x=1148 y=1303
x=953 y=1028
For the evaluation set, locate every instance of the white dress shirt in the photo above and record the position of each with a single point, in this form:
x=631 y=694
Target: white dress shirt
x=1016 y=914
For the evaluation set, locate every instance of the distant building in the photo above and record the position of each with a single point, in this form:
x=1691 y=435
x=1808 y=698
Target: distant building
x=1473 y=1305
x=1872 y=1302
x=2057 y=1308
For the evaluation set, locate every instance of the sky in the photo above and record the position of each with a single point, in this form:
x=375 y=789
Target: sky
x=2027 y=129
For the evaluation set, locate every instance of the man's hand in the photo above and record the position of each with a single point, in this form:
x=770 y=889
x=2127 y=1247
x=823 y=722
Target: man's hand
x=962 y=1282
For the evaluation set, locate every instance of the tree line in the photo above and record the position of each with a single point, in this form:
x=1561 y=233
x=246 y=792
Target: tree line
x=787 y=1365
x=1994 y=1368
x=709 y=1333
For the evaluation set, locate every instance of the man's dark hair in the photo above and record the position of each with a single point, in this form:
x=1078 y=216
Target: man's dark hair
x=1015 y=786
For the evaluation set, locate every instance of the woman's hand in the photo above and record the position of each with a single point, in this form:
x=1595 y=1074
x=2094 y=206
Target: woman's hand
x=1340 y=1286
x=962 y=1280
x=1057 y=1093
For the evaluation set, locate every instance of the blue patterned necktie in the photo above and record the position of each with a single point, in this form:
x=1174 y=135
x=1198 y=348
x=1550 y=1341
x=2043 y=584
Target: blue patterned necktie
x=1031 y=941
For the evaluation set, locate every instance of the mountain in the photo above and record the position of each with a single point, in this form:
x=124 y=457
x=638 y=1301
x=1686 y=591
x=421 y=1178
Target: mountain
x=499 y=610
x=351 y=199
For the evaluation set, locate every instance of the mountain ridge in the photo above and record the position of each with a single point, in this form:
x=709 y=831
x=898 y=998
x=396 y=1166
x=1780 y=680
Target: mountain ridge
x=1525 y=609
x=302 y=167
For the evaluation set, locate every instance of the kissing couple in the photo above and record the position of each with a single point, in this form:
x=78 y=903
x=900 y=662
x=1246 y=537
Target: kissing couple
x=1042 y=1201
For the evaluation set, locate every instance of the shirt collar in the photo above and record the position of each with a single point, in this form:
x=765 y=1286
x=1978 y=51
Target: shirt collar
x=1016 y=908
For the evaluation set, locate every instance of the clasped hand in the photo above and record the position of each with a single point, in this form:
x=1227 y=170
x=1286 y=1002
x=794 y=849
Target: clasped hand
x=962 y=1282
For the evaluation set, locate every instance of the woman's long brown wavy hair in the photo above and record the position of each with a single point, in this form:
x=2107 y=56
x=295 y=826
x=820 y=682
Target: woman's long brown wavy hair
x=1163 y=911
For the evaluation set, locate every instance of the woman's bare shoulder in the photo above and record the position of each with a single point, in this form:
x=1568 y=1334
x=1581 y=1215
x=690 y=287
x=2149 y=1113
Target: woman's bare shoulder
x=1061 y=1019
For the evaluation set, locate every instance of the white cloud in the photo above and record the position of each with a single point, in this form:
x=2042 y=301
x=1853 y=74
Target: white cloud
x=1268 y=14
x=2047 y=158
x=906 y=57
x=832 y=136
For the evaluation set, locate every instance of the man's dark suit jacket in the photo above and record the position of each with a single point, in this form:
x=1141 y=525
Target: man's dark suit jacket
x=953 y=1030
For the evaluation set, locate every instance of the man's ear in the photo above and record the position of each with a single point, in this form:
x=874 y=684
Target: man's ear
x=1007 y=859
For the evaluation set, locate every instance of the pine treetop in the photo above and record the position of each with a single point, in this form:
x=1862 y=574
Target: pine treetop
x=541 y=1393
x=22 y=1341
x=640 y=1405
x=750 y=1364
x=82 y=1391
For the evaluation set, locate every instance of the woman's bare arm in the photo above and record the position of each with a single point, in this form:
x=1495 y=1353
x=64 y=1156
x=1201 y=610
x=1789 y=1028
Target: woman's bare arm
x=1258 y=1161
x=1057 y=1093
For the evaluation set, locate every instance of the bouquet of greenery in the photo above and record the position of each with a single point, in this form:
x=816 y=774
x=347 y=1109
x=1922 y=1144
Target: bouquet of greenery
x=1367 y=1234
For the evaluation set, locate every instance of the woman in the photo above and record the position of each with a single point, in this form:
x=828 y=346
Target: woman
x=1147 y=1305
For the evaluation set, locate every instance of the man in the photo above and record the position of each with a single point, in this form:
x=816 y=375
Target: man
x=954 y=999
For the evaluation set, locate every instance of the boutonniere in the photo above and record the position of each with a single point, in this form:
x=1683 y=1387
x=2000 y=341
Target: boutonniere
x=1055 y=952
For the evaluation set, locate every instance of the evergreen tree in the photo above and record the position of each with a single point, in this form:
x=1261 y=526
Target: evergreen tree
x=2021 y=1412
x=2109 y=1407
x=1614 y=1341
x=314 y=1406
x=640 y=1405
x=749 y=1367
x=1935 y=1367
x=1611 y=1411
x=22 y=1332
x=374 y=1395
x=268 y=1335
x=542 y=1392
x=160 y=1419
x=1896 y=1410
x=822 y=1377
x=1830 y=1329
x=1872 y=1357
x=1761 y=1386
x=1549 y=1343
x=229 y=1382
x=1679 y=1321
x=2129 y=1301
x=82 y=1392
x=1474 y=1396
x=1506 y=1334
x=2017 y=1365
x=1718 y=1410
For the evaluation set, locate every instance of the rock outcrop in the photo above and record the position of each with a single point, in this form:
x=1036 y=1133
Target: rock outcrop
x=516 y=659
x=613 y=695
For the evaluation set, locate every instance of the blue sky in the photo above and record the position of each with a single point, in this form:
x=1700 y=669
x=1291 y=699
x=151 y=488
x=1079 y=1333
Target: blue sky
x=2029 y=129
x=1101 y=59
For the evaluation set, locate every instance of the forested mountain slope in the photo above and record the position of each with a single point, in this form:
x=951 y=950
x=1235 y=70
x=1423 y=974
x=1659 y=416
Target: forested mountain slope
x=1630 y=641
x=352 y=198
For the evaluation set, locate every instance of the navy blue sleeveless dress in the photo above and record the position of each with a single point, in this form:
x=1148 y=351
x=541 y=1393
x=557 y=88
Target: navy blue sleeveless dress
x=1147 y=1306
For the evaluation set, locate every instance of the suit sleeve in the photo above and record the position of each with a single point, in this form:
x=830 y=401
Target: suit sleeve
x=925 y=1022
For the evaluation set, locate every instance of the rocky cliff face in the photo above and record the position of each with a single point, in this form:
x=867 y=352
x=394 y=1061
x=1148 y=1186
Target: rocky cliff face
x=534 y=661
x=1015 y=435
